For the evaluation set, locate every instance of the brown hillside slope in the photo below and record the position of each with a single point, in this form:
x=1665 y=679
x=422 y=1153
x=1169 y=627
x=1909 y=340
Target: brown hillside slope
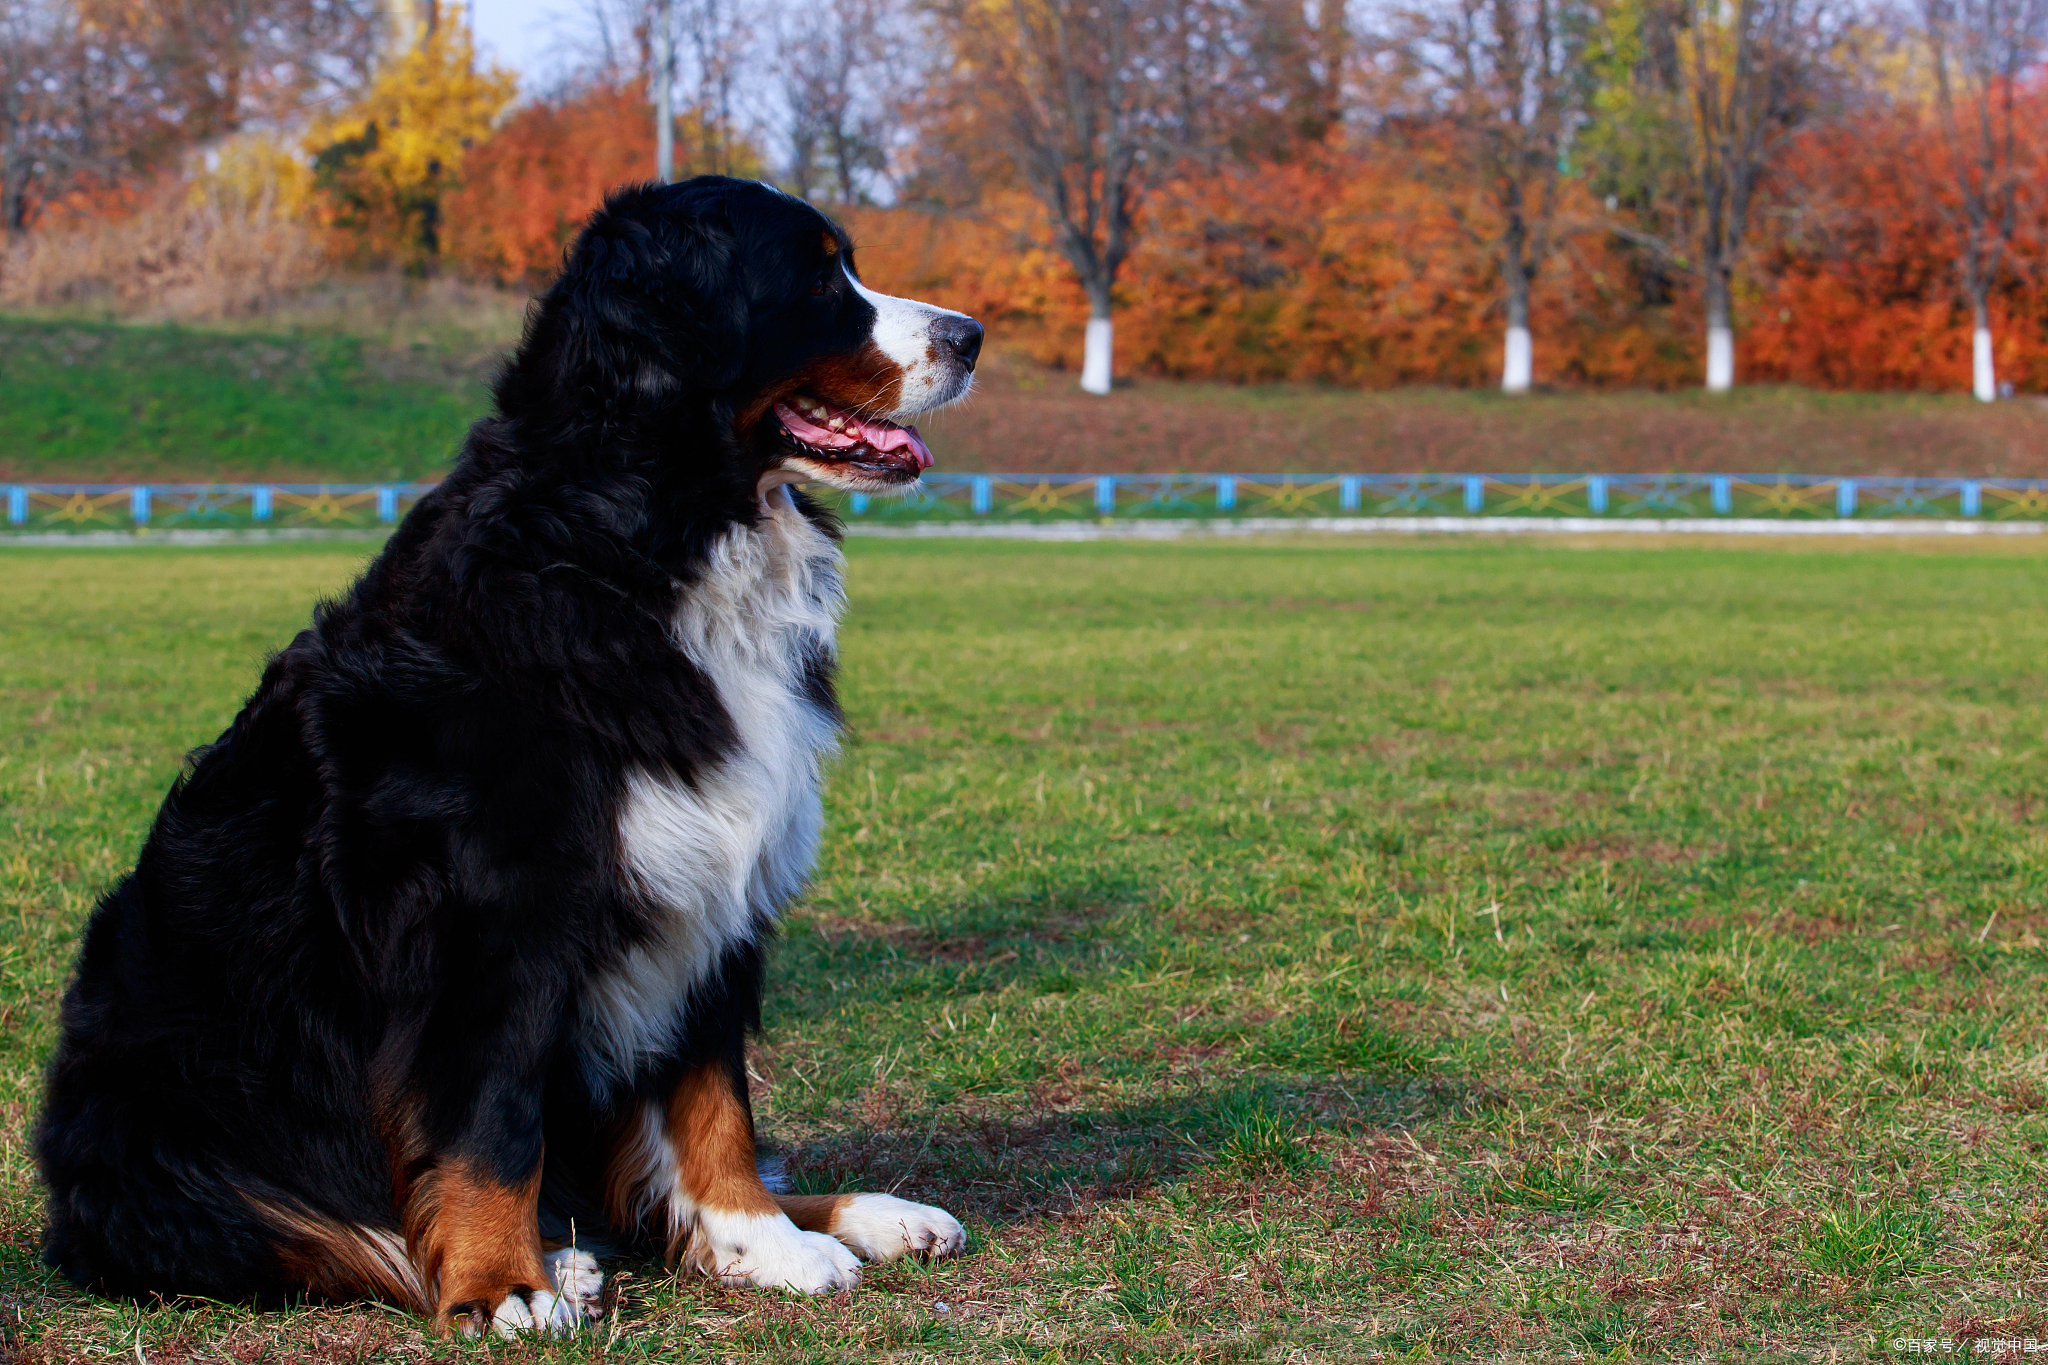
x=1029 y=420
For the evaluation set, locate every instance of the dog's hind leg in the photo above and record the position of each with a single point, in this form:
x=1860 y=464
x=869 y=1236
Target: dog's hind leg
x=683 y=1170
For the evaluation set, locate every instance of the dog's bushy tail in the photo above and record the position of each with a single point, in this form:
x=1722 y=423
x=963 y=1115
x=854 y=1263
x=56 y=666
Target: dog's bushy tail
x=341 y=1260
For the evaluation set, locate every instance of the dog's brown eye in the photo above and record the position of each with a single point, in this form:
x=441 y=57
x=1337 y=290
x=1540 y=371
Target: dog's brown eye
x=818 y=286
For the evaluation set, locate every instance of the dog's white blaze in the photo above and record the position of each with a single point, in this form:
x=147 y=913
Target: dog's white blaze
x=882 y=1227
x=722 y=856
x=903 y=332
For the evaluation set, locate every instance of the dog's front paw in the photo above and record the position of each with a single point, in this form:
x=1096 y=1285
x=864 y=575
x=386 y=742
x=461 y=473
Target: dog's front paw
x=578 y=1281
x=523 y=1312
x=882 y=1227
x=768 y=1250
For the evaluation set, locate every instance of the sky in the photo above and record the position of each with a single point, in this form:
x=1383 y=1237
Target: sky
x=519 y=33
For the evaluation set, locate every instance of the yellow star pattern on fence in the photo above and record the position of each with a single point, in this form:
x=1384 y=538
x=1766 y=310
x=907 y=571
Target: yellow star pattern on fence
x=1287 y=496
x=1785 y=499
x=79 y=507
x=2020 y=502
x=1540 y=497
x=1042 y=496
x=322 y=505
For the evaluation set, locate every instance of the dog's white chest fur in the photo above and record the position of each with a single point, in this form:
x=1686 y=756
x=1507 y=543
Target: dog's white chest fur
x=722 y=855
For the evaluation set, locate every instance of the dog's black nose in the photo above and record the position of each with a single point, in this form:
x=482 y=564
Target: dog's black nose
x=961 y=336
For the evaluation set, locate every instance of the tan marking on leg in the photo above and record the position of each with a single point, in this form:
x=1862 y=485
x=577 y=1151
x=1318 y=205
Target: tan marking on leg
x=812 y=1212
x=475 y=1240
x=684 y=1168
x=712 y=1135
x=673 y=1161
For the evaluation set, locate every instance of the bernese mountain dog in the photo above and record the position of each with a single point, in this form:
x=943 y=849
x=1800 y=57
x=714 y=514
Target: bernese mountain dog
x=436 y=969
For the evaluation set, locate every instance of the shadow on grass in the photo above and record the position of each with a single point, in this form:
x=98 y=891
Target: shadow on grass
x=1017 y=1166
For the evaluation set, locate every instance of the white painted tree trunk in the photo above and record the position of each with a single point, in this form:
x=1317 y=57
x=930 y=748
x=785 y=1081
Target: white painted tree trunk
x=1984 y=375
x=1515 y=374
x=1720 y=359
x=1095 y=359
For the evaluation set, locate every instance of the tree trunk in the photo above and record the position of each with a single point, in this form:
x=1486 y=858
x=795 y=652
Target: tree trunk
x=1720 y=337
x=1095 y=358
x=842 y=159
x=664 y=93
x=1983 y=374
x=1517 y=371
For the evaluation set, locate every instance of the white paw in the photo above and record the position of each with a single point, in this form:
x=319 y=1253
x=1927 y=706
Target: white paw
x=578 y=1281
x=768 y=1250
x=540 y=1313
x=882 y=1227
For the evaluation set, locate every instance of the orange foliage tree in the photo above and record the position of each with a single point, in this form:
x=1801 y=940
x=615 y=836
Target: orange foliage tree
x=1339 y=267
x=527 y=190
x=1860 y=292
x=1346 y=265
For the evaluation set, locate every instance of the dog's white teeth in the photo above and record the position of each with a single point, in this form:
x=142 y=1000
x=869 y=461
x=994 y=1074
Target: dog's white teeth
x=837 y=424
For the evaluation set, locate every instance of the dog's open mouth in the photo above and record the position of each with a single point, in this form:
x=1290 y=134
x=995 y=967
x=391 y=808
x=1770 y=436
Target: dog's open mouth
x=868 y=446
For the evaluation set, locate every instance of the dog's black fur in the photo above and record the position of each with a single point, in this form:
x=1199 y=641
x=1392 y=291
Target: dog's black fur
x=382 y=886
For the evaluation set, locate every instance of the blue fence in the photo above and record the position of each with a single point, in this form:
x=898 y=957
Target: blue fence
x=1057 y=497
x=102 y=506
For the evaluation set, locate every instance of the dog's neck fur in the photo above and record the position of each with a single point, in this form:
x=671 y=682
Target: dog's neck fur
x=718 y=857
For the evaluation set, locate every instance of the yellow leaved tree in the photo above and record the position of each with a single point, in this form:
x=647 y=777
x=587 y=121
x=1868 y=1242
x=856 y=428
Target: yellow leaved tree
x=382 y=166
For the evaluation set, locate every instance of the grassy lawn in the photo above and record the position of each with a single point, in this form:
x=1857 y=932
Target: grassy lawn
x=103 y=402
x=338 y=397
x=1283 y=952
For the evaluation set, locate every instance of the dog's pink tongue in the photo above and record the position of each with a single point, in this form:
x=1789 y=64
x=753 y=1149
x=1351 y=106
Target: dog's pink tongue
x=889 y=439
x=884 y=438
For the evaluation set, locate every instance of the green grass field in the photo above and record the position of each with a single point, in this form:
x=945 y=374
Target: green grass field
x=101 y=402
x=1282 y=952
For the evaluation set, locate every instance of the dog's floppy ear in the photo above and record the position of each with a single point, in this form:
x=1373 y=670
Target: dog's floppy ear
x=652 y=296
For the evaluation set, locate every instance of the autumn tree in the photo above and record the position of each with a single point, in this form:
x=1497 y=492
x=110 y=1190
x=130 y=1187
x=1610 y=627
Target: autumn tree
x=1505 y=88
x=1281 y=80
x=54 y=99
x=1701 y=101
x=1982 y=52
x=1093 y=101
x=836 y=56
x=691 y=53
x=384 y=165
x=94 y=91
x=219 y=66
x=528 y=188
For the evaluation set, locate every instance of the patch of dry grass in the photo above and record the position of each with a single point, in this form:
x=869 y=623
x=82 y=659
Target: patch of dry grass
x=175 y=259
